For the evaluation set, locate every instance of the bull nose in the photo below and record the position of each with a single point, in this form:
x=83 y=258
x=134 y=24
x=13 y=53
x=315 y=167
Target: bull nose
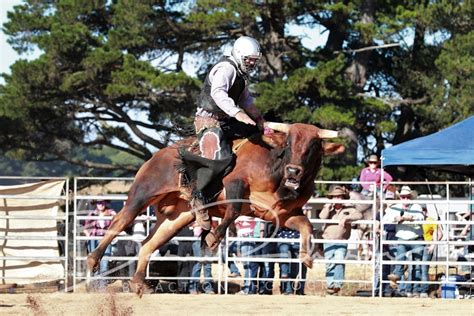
x=293 y=170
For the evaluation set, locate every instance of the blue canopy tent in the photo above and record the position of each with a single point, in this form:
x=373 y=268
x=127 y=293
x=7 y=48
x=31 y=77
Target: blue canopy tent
x=451 y=149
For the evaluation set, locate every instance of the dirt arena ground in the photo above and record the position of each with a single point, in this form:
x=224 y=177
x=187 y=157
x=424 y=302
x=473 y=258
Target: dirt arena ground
x=166 y=304
x=314 y=303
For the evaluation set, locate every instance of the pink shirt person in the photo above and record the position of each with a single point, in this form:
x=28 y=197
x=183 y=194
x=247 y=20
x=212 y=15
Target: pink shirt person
x=373 y=173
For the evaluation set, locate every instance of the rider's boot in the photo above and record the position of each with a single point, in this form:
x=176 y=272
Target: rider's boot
x=202 y=215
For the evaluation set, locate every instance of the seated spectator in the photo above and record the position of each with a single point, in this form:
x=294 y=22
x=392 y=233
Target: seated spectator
x=250 y=228
x=97 y=227
x=402 y=214
x=345 y=214
x=289 y=270
x=372 y=173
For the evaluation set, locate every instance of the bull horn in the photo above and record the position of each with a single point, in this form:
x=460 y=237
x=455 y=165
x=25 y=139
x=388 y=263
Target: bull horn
x=345 y=132
x=327 y=133
x=280 y=127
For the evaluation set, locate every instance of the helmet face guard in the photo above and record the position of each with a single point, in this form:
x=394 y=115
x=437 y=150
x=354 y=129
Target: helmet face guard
x=247 y=53
x=249 y=63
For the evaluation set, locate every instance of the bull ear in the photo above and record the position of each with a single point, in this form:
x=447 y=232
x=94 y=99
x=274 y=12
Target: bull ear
x=275 y=140
x=280 y=127
x=330 y=149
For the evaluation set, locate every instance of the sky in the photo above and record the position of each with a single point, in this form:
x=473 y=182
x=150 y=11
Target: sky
x=8 y=55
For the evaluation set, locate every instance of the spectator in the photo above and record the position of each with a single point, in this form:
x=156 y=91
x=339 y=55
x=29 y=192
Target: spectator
x=289 y=270
x=345 y=214
x=401 y=214
x=196 y=272
x=120 y=267
x=388 y=250
x=185 y=268
x=130 y=248
x=248 y=227
x=267 y=269
x=97 y=227
x=233 y=269
x=232 y=250
x=372 y=173
x=467 y=233
x=431 y=232
x=133 y=246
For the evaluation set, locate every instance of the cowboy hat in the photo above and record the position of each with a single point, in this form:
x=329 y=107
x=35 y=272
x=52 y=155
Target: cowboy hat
x=406 y=190
x=337 y=191
x=94 y=202
x=373 y=158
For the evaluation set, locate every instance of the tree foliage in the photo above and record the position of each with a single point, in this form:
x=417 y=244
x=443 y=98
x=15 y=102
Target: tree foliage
x=110 y=73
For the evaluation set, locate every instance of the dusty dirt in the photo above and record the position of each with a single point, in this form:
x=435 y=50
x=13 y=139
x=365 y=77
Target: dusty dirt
x=161 y=304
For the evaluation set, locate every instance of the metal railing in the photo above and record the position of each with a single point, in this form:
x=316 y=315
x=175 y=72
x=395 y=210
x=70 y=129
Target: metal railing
x=375 y=263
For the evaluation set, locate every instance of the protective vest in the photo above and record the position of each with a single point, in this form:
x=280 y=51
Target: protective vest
x=205 y=100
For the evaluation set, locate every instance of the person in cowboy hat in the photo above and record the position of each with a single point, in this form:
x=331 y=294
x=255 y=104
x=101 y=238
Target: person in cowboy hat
x=345 y=214
x=402 y=214
x=372 y=173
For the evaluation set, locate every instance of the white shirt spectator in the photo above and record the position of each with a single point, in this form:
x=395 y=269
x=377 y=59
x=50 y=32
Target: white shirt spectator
x=405 y=230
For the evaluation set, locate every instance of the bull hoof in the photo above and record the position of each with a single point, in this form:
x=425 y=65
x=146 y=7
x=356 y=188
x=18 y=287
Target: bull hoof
x=138 y=284
x=92 y=263
x=306 y=259
x=139 y=289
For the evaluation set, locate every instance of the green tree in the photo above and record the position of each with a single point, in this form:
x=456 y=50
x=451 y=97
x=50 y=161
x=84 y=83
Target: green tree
x=94 y=84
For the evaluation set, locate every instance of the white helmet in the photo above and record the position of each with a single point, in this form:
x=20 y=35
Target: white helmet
x=247 y=53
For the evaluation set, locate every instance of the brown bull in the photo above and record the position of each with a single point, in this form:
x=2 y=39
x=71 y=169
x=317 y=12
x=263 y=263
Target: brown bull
x=274 y=173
